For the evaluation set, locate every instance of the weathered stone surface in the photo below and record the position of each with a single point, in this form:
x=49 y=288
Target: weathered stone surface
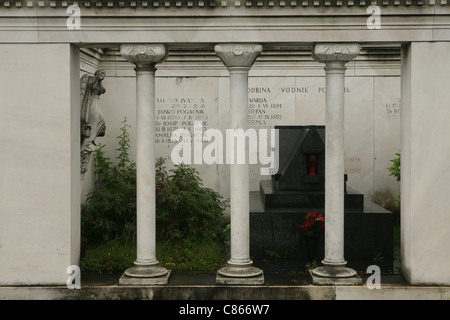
x=340 y=281
x=162 y=279
x=92 y=122
x=239 y=58
x=335 y=52
x=238 y=54
x=254 y=280
x=144 y=54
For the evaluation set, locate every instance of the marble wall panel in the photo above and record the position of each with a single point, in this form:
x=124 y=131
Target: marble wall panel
x=223 y=123
x=387 y=115
x=272 y=101
x=180 y=102
x=359 y=142
x=116 y=107
x=310 y=110
x=39 y=163
x=425 y=164
x=310 y=105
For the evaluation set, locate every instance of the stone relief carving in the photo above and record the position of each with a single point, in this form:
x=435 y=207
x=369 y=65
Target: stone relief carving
x=238 y=55
x=91 y=118
x=144 y=54
x=335 y=51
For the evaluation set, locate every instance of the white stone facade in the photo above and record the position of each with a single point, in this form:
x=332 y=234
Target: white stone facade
x=40 y=63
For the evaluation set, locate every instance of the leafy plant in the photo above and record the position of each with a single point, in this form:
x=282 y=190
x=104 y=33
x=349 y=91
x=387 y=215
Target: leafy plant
x=378 y=259
x=115 y=256
x=395 y=171
x=395 y=168
x=125 y=164
x=110 y=209
x=187 y=211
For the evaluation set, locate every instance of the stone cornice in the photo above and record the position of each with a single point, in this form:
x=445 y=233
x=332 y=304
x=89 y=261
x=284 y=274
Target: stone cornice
x=218 y=3
x=204 y=27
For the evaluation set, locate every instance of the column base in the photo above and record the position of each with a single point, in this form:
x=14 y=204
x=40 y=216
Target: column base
x=335 y=275
x=240 y=274
x=145 y=275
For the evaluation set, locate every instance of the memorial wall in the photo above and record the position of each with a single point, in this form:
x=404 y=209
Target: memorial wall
x=286 y=96
x=43 y=58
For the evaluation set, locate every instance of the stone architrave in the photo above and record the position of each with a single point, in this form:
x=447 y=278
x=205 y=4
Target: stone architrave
x=335 y=56
x=238 y=58
x=146 y=269
x=92 y=122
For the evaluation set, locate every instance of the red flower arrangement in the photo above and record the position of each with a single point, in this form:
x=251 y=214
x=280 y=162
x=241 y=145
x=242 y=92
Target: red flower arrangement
x=314 y=224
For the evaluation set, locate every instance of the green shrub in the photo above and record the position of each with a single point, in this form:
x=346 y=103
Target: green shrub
x=395 y=168
x=110 y=209
x=186 y=212
x=395 y=171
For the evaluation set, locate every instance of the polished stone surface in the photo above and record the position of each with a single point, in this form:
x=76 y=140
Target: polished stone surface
x=275 y=235
x=274 y=199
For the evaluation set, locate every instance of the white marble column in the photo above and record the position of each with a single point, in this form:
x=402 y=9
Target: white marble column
x=335 y=56
x=146 y=269
x=238 y=58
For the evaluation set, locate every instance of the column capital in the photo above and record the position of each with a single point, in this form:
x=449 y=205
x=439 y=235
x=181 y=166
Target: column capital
x=238 y=55
x=329 y=52
x=144 y=56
